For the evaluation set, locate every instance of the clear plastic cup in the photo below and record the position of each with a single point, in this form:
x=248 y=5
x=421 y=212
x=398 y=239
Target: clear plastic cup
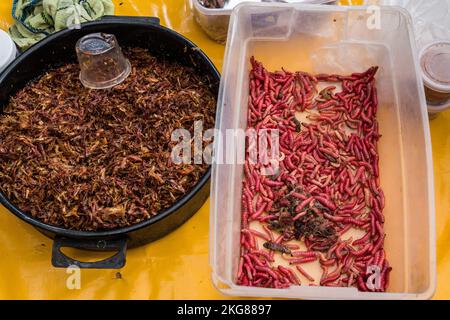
x=102 y=62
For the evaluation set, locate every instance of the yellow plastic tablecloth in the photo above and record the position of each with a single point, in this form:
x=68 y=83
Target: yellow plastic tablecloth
x=177 y=266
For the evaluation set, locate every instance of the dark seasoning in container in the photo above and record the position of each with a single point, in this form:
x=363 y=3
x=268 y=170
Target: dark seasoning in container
x=96 y=160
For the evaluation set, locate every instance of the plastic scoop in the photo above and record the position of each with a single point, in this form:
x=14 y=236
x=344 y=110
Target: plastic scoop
x=101 y=60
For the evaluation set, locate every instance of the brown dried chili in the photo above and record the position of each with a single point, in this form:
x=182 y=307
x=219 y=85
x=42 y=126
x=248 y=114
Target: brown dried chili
x=101 y=159
x=327 y=182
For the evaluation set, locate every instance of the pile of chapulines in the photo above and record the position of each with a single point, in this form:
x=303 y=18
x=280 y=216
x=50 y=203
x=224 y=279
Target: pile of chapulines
x=101 y=159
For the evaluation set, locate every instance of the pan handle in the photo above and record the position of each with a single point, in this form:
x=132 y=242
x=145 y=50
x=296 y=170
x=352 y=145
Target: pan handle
x=117 y=261
x=128 y=19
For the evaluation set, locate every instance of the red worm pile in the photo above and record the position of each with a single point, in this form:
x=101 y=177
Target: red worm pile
x=327 y=182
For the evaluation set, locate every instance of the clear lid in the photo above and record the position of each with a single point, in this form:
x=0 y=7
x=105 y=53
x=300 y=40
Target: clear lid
x=435 y=64
x=102 y=62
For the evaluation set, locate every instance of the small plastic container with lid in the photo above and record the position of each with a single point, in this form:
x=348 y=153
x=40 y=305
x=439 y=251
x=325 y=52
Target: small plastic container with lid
x=435 y=65
x=8 y=51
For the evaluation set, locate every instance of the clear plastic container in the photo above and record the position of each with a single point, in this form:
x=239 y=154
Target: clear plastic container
x=215 y=21
x=334 y=39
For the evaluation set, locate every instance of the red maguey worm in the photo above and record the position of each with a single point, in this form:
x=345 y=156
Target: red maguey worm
x=327 y=182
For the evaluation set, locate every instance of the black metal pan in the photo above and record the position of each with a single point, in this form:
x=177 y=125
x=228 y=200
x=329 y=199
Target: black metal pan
x=58 y=49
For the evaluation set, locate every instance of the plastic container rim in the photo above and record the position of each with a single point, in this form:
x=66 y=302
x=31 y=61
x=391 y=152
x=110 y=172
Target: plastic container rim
x=222 y=11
